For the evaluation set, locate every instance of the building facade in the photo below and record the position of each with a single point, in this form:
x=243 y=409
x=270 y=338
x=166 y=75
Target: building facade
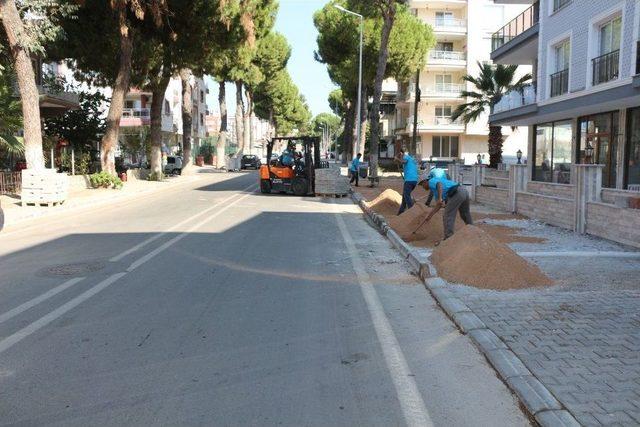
x=584 y=104
x=463 y=30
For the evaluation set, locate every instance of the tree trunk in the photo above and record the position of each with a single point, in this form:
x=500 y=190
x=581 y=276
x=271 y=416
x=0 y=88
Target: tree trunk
x=157 y=100
x=239 y=118
x=26 y=84
x=349 y=128
x=120 y=89
x=248 y=121
x=381 y=69
x=221 y=148
x=187 y=117
x=495 y=146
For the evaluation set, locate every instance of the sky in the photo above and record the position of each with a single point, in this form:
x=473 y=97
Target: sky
x=295 y=21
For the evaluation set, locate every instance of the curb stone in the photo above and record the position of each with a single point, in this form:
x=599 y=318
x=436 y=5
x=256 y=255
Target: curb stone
x=535 y=397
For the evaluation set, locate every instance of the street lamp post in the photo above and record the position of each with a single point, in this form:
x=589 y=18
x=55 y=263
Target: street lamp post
x=359 y=106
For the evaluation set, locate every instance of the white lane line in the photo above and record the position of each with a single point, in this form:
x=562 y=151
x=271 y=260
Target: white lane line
x=37 y=300
x=413 y=407
x=175 y=227
x=604 y=254
x=137 y=263
x=15 y=338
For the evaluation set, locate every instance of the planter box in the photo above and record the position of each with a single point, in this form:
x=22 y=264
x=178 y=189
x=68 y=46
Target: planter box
x=44 y=187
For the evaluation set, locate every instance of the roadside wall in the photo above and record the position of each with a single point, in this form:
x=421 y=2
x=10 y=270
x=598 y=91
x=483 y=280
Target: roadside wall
x=552 y=210
x=614 y=223
x=495 y=197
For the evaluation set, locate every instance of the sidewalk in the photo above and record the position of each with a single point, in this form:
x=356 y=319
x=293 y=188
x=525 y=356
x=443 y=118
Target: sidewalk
x=578 y=340
x=15 y=214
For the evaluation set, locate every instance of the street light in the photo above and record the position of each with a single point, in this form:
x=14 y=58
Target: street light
x=588 y=152
x=479 y=157
x=359 y=106
x=519 y=156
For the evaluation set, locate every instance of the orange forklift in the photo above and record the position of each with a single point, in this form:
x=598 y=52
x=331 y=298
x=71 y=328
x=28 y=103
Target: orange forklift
x=294 y=175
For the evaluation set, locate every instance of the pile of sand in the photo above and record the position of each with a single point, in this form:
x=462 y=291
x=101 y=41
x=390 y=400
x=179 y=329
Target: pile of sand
x=472 y=257
x=387 y=203
x=428 y=234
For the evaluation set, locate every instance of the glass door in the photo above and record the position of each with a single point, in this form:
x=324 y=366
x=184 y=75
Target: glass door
x=600 y=131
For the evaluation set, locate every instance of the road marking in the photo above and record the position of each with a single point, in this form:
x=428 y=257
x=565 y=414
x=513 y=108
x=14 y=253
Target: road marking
x=180 y=224
x=15 y=338
x=37 y=300
x=413 y=407
x=137 y=263
x=11 y=340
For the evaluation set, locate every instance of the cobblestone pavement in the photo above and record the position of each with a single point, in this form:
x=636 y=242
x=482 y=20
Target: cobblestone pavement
x=584 y=346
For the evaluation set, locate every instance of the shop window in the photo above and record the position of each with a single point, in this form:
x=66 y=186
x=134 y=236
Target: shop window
x=600 y=131
x=552 y=152
x=633 y=149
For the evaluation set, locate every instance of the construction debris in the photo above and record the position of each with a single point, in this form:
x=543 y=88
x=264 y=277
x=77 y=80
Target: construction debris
x=328 y=181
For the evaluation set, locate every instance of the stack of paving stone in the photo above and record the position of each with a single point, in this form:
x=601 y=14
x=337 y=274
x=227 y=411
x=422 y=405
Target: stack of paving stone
x=330 y=182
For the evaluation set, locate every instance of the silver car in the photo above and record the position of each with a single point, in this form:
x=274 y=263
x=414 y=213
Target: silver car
x=173 y=165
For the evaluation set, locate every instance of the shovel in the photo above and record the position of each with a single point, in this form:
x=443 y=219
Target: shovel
x=431 y=214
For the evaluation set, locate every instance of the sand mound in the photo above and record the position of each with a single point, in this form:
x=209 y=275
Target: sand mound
x=387 y=203
x=428 y=234
x=472 y=257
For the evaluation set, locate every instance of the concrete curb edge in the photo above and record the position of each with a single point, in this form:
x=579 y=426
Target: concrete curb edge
x=534 y=396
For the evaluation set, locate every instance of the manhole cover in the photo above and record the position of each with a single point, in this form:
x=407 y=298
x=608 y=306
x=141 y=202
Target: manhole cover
x=75 y=269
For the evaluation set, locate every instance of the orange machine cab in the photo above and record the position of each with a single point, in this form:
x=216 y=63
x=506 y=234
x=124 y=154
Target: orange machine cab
x=282 y=172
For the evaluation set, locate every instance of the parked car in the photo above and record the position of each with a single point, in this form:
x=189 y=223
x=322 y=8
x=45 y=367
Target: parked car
x=250 y=161
x=173 y=166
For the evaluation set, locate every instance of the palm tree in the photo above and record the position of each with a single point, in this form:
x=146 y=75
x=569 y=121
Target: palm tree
x=493 y=82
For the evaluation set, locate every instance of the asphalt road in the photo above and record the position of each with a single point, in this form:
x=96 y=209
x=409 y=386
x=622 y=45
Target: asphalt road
x=211 y=304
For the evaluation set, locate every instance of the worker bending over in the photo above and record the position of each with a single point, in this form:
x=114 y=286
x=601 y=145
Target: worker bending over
x=450 y=195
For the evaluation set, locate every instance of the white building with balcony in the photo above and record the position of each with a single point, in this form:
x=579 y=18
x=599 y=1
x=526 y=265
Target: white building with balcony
x=463 y=30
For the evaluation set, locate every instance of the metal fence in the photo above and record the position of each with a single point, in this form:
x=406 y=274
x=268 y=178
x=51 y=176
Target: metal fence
x=10 y=182
x=560 y=83
x=606 y=67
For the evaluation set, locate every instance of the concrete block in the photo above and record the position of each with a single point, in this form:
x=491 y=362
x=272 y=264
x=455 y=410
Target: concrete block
x=435 y=282
x=468 y=321
x=453 y=305
x=487 y=340
x=556 y=418
x=441 y=293
x=507 y=363
x=533 y=394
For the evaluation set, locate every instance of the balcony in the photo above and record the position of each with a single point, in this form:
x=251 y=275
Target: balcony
x=517 y=41
x=451 y=27
x=435 y=124
x=135 y=117
x=444 y=59
x=516 y=99
x=606 y=67
x=559 y=83
x=444 y=91
x=53 y=103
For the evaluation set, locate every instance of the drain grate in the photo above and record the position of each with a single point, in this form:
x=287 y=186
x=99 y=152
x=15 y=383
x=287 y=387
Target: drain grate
x=74 y=269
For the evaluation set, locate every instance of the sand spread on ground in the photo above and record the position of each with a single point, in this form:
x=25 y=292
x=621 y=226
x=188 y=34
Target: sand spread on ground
x=428 y=234
x=507 y=234
x=387 y=203
x=472 y=257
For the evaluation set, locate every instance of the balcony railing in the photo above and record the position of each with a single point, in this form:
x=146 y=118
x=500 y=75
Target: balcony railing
x=446 y=121
x=515 y=27
x=606 y=67
x=516 y=99
x=447 y=88
x=136 y=112
x=449 y=23
x=432 y=121
x=560 y=82
x=447 y=55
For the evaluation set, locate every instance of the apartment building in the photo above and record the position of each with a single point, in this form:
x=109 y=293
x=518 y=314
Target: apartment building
x=584 y=105
x=137 y=113
x=463 y=30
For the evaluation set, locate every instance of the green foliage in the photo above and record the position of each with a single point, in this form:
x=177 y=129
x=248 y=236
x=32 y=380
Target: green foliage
x=337 y=103
x=105 y=180
x=137 y=141
x=322 y=119
x=10 y=115
x=493 y=82
x=79 y=127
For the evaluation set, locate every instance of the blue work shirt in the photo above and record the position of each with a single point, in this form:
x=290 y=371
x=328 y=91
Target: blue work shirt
x=287 y=159
x=447 y=185
x=410 y=169
x=354 y=164
x=437 y=173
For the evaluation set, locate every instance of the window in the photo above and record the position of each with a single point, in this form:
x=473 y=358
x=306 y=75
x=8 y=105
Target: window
x=128 y=104
x=600 y=131
x=444 y=18
x=443 y=111
x=201 y=119
x=562 y=55
x=201 y=96
x=560 y=78
x=610 y=36
x=559 y=4
x=632 y=165
x=552 y=152
x=444 y=146
x=167 y=108
x=443 y=82
x=444 y=46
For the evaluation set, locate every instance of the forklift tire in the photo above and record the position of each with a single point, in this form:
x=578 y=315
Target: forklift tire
x=300 y=186
x=265 y=186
